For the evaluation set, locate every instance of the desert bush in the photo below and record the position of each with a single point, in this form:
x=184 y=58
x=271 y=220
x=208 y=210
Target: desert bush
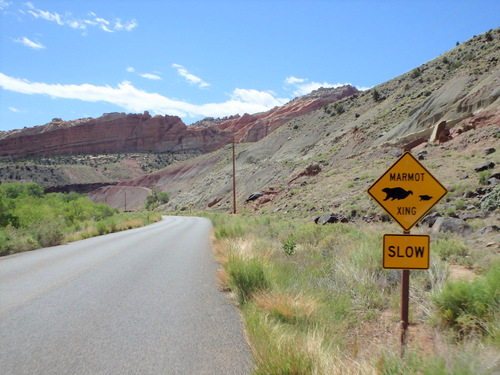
x=471 y=307
x=339 y=108
x=484 y=177
x=460 y=204
x=5 y=245
x=450 y=248
x=415 y=73
x=102 y=228
x=49 y=233
x=492 y=201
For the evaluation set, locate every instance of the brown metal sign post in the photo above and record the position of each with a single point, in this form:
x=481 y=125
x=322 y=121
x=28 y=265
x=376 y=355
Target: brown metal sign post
x=407 y=192
x=405 y=302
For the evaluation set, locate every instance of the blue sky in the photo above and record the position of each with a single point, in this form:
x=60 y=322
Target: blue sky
x=213 y=58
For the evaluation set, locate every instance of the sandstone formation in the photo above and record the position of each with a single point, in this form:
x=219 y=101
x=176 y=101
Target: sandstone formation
x=122 y=133
x=111 y=133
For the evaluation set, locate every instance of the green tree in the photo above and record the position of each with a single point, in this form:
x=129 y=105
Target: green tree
x=154 y=200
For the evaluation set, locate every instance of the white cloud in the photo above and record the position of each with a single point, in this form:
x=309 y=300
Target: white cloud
x=302 y=86
x=130 y=69
x=132 y=99
x=129 y=26
x=79 y=23
x=37 y=13
x=4 y=4
x=192 y=79
x=14 y=109
x=29 y=43
x=294 y=80
x=150 y=76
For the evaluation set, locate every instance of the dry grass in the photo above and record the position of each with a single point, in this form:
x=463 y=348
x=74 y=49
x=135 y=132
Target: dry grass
x=129 y=224
x=286 y=306
x=329 y=308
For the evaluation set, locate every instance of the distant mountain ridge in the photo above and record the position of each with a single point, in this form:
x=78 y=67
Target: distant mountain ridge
x=122 y=133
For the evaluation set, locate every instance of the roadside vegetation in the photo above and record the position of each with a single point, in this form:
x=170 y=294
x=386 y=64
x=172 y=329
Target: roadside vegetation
x=316 y=300
x=30 y=219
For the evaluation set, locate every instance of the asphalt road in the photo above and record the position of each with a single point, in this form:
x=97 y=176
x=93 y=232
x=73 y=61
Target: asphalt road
x=144 y=301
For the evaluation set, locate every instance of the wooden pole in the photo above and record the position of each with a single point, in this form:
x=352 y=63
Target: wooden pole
x=234 y=181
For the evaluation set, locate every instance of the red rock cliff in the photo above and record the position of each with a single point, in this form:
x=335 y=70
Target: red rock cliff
x=119 y=132
x=111 y=133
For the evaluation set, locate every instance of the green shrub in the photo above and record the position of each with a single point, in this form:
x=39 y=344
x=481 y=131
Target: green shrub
x=339 y=108
x=102 y=228
x=5 y=245
x=154 y=200
x=459 y=204
x=289 y=245
x=50 y=233
x=246 y=276
x=415 y=73
x=450 y=248
x=484 y=177
x=492 y=201
x=470 y=307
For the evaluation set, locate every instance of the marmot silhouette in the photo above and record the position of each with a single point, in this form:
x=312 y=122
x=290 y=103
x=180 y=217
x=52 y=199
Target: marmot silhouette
x=396 y=193
x=425 y=197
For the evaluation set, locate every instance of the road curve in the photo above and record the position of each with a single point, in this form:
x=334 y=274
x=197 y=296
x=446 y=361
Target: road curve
x=142 y=301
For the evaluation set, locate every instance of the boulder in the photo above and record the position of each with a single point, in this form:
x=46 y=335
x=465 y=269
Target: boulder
x=450 y=224
x=214 y=202
x=489 y=150
x=470 y=216
x=416 y=142
x=488 y=229
x=440 y=133
x=485 y=166
x=430 y=219
x=493 y=181
x=330 y=218
x=254 y=196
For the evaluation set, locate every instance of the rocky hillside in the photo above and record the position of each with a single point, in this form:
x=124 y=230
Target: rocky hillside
x=448 y=107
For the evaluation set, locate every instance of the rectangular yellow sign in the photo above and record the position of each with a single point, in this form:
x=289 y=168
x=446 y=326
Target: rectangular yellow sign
x=406 y=252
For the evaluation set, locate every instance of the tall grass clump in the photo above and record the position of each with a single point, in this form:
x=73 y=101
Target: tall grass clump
x=472 y=307
x=246 y=276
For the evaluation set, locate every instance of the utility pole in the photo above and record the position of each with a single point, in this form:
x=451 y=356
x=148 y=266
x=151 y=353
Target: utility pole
x=125 y=200
x=234 y=181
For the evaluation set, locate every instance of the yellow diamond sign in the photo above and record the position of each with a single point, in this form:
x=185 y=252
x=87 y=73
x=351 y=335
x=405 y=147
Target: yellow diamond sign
x=407 y=191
